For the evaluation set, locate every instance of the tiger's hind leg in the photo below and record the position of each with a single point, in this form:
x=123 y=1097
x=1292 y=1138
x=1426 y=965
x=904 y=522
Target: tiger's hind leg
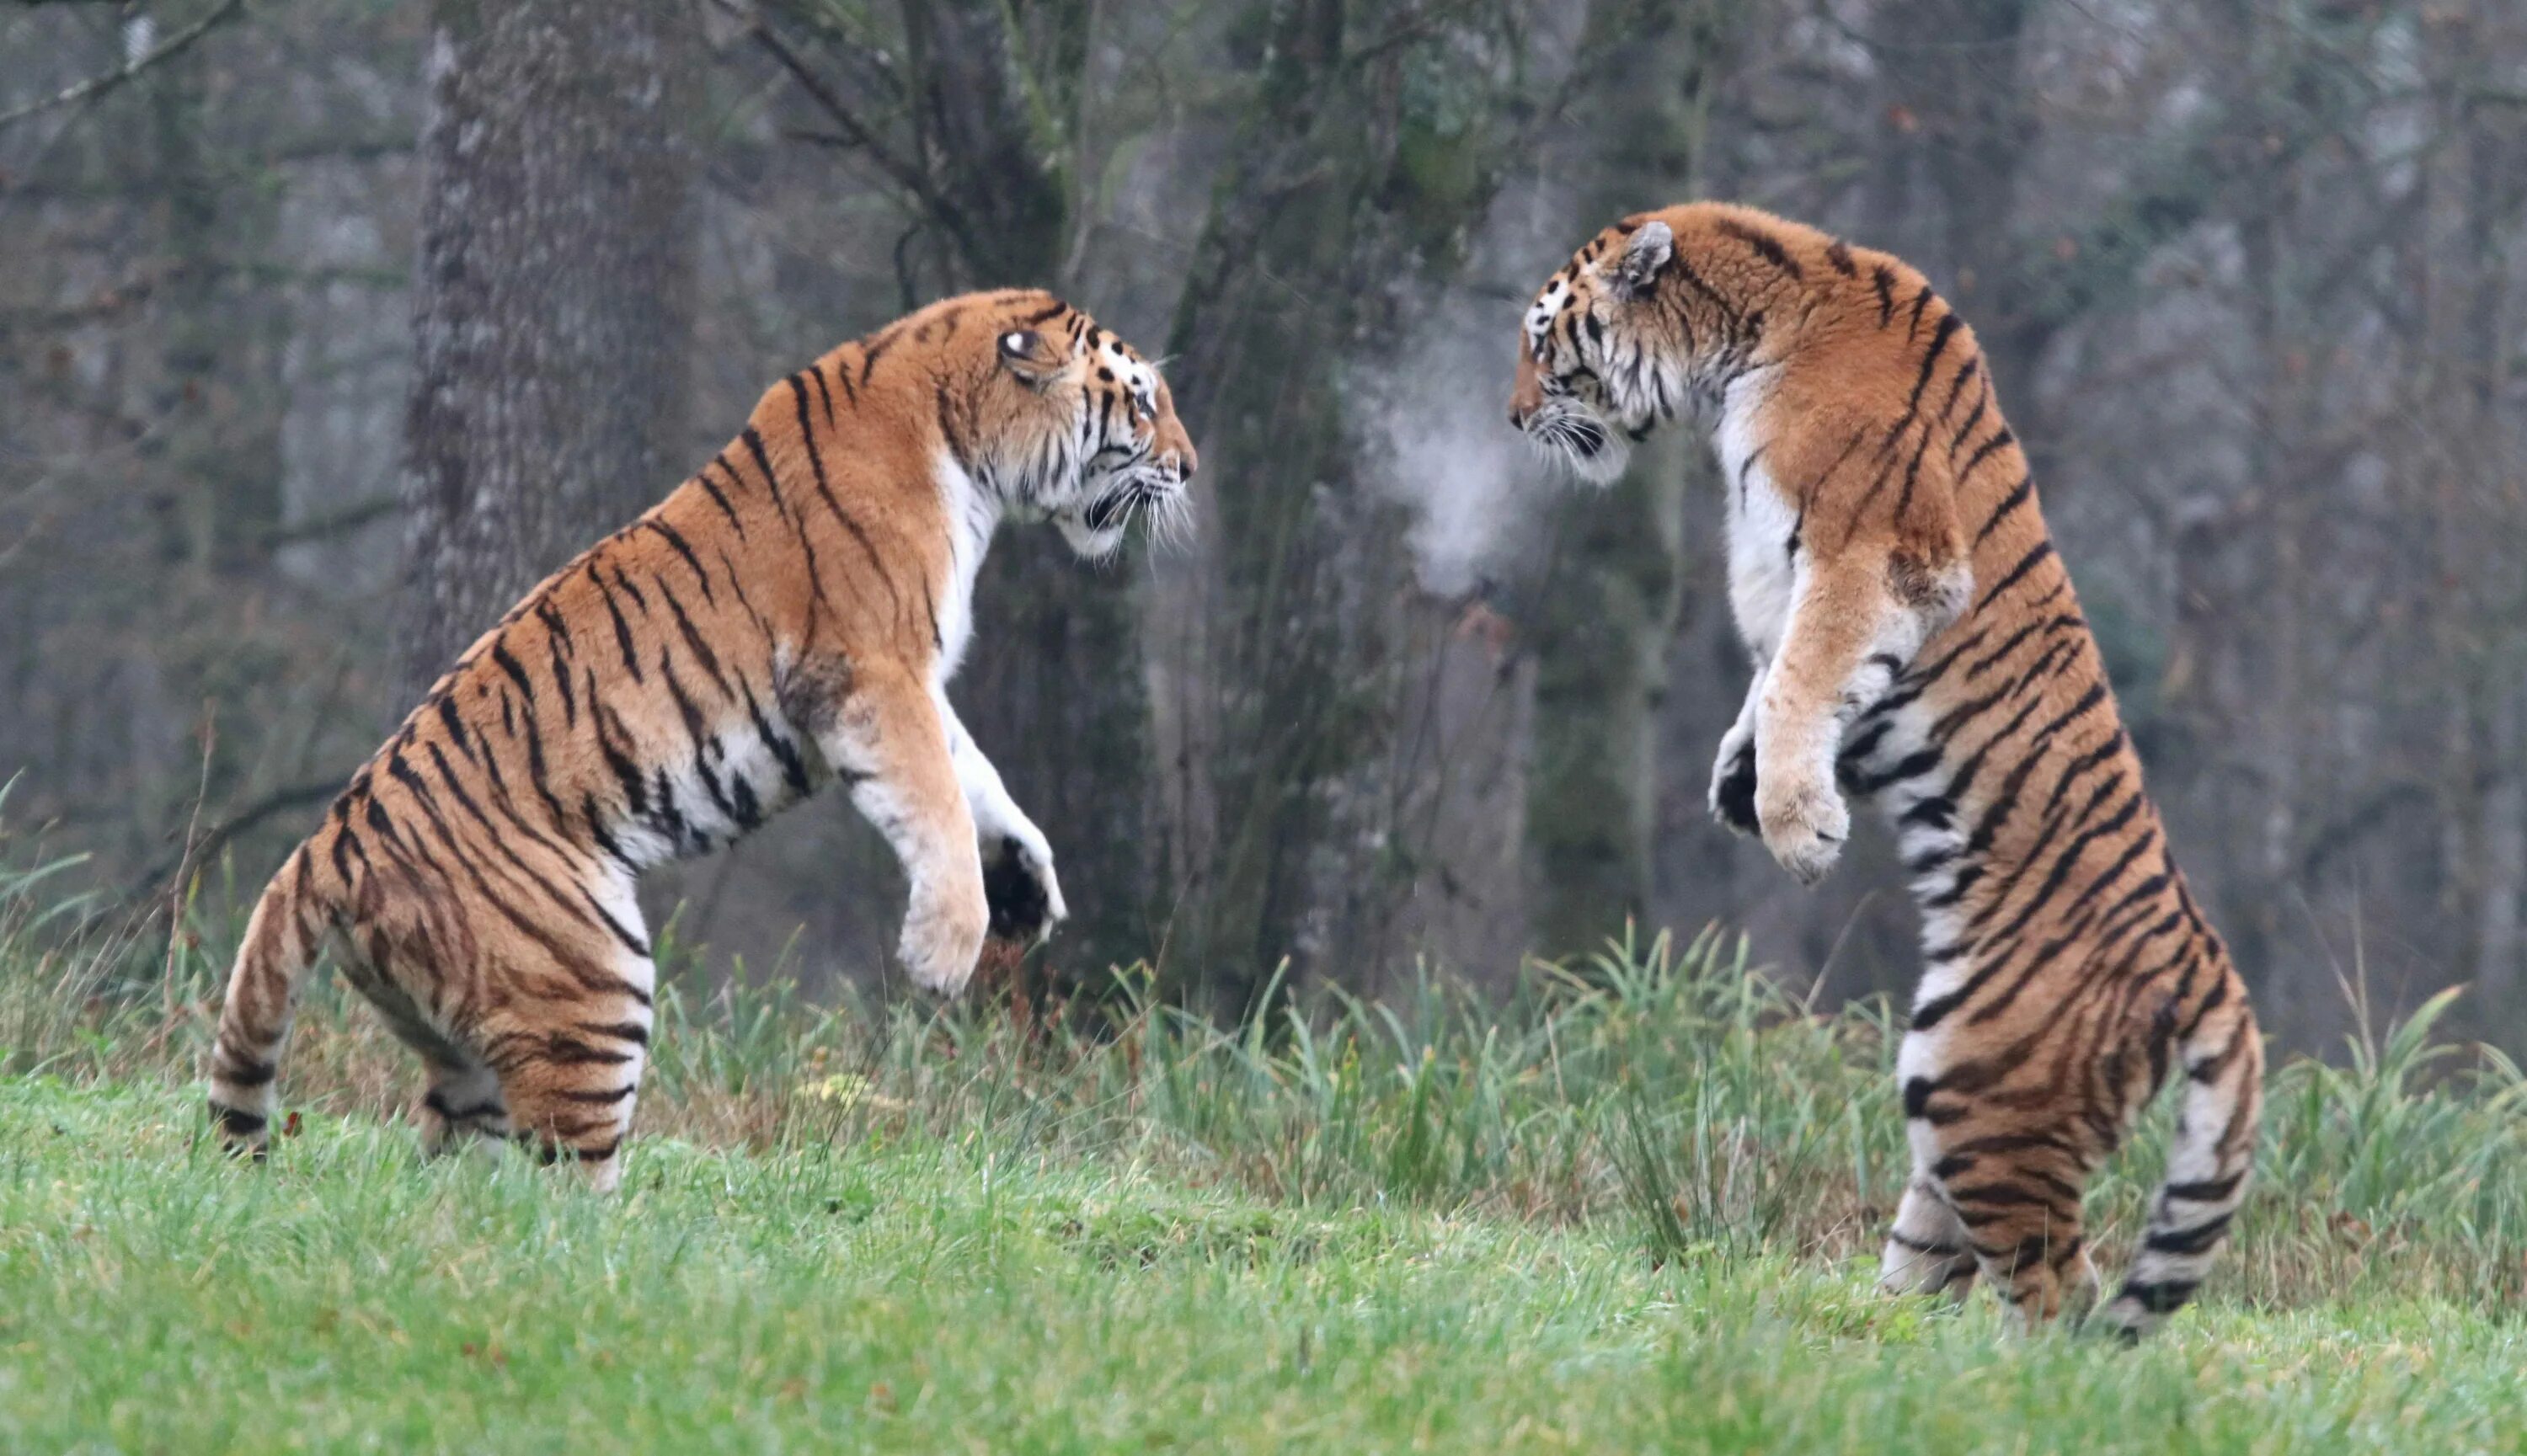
x=1926 y=1252
x=2020 y=1207
x=464 y=1102
x=462 y=1095
x=2009 y=1171
x=570 y=1047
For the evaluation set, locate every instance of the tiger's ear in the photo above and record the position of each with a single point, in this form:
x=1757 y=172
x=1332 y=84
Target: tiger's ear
x=1635 y=274
x=1030 y=356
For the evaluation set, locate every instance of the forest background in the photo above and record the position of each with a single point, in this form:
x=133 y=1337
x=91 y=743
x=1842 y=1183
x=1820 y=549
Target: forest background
x=2249 y=270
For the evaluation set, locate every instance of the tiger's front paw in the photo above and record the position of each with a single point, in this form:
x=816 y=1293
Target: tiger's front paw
x=942 y=935
x=1732 y=785
x=1024 y=896
x=1804 y=824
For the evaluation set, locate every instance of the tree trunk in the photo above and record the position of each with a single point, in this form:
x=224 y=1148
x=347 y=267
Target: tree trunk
x=1350 y=187
x=1610 y=598
x=553 y=303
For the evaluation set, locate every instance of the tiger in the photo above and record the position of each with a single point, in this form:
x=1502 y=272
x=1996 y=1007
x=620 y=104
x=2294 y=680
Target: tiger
x=789 y=616
x=1915 y=643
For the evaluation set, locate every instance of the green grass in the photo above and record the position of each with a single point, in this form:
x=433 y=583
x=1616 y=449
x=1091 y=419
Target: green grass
x=909 y=1294
x=1633 y=1209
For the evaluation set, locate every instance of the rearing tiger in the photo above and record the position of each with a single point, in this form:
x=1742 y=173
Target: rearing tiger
x=1916 y=641
x=791 y=613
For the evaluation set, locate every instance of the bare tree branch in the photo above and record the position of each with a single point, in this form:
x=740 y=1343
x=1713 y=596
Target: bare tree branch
x=856 y=134
x=98 y=85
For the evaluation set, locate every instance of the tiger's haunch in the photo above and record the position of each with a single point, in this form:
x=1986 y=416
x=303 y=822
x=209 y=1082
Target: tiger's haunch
x=789 y=616
x=1916 y=642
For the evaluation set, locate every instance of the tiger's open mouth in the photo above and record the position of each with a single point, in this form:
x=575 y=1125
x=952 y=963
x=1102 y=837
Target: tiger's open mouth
x=1569 y=430
x=1142 y=492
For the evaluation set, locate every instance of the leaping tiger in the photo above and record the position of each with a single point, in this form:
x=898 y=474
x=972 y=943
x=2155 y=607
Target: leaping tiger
x=791 y=613
x=1916 y=641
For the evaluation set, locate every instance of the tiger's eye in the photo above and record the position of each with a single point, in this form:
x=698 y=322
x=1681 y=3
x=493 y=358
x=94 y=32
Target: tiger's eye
x=1018 y=343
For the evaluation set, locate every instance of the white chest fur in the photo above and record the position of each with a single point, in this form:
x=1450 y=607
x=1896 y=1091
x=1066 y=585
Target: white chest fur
x=1762 y=574
x=971 y=517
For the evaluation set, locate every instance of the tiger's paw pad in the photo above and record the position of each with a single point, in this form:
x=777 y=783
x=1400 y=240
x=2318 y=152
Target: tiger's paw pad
x=1733 y=787
x=1024 y=896
x=1804 y=826
x=942 y=935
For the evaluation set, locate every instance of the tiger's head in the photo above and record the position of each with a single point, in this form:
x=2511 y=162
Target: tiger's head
x=1611 y=345
x=1092 y=438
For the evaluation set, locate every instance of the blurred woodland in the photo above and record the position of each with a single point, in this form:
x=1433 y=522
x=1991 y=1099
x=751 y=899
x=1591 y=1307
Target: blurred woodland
x=2249 y=271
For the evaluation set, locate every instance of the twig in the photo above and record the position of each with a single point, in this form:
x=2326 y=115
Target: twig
x=98 y=85
x=210 y=740
x=856 y=132
x=210 y=843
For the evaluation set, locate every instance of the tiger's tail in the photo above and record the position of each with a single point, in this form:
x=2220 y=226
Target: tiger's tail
x=280 y=947
x=2206 y=1167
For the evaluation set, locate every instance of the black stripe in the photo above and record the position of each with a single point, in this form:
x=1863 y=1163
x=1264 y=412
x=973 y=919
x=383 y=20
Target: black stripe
x=622 y=628
x=453 y=724
x=2017 y=497
x=570 y=1051
x=2079 y=767
x=797 y=528
x=816 y=463
x=2165 y=1297
x=2210 y=1190
x=1964 y=375
x=630 y=591
x=693 y=640
x=1948 y=325
x=1765 y=245
x=718 y=498
x=2195 y=1240
x=1713 y=296
x=817 y=374
x=1984 y=452
x=510 y=664
x=1973 y=417
x=627 y=774
x=239 y=1070
x=685 y=549
x=737 y=584
x=794 y=767
x=2016 y=574
x=236 y=1122
x=632 y=1031
x=557 y=643
x=771 y=480
x=871 y=348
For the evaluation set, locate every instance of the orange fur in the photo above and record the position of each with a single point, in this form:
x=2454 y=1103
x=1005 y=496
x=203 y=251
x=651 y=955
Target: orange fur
x=788 y=615
x=1916 y=641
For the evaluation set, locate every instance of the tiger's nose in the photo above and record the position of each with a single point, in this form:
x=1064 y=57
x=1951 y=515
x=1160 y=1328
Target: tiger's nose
x=1517 y=415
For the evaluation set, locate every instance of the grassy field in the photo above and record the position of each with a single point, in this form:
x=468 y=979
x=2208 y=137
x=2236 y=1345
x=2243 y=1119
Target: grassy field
x=1632 y=1210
